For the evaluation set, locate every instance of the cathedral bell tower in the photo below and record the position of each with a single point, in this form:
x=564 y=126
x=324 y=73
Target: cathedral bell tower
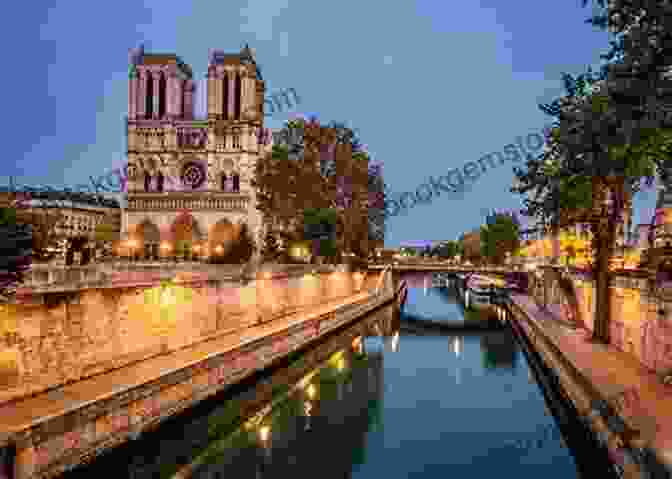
x=161 y=87
x=235 y=88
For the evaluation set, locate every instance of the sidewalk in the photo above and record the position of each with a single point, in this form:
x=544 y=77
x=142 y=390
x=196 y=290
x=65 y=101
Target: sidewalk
x=636 y=393
x=25 y=413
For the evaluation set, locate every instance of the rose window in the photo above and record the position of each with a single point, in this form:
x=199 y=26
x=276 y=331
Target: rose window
x=193 y=175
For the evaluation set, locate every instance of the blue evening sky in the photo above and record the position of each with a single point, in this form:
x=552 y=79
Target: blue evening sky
x=429 y=85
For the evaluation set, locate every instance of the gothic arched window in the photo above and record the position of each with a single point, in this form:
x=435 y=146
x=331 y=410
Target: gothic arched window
x=225 y=97
x=149 y=96
x=162 y=96
x=237 y=97
x=224 y=185
x=148 y=181
x=159 y=182
x=236 y=183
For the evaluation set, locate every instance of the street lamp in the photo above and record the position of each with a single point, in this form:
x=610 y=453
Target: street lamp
x=165 y=247
x=131 y=246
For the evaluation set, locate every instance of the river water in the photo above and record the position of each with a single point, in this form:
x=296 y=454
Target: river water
x=398 y=401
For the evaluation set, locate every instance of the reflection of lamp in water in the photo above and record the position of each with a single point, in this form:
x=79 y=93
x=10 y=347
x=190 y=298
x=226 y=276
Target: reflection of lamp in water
x=457 y=345
x=395 y=342
x=307 y=408
x=264 y=432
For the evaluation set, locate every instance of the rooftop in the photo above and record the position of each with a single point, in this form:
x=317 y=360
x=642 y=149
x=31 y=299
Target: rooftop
x=73 y=198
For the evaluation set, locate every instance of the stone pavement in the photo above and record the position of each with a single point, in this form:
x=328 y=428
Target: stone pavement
x=637 y=394
x=25 y=413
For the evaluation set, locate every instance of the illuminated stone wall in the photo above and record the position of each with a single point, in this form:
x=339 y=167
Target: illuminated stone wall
x=641 y=315
x=54 y=446
x=93 y=331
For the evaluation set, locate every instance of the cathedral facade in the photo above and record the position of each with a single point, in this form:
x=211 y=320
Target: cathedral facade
x=189 y=179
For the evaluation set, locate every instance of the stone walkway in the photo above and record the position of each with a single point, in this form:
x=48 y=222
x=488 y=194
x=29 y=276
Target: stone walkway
x=22 y=414
x=642 y=400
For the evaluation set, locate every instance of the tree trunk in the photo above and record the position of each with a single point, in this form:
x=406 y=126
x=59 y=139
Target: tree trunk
x=605 y=241
x=605 y=228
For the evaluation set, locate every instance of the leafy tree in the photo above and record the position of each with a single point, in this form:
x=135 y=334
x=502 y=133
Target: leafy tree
x=316 y=166
x=105 y=233
x=240 y=251
x=448 y=250
x=377 y=214
x=499 y=237
x=471 y=246
x=612 y=132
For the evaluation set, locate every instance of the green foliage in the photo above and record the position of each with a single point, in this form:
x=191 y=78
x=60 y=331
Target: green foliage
x=328 y=248
x=448 y=250
x=320 y=216
x=498 y=238
x=7 y=216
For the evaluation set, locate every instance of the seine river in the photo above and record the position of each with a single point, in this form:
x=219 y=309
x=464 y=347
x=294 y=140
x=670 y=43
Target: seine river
x=399 y=401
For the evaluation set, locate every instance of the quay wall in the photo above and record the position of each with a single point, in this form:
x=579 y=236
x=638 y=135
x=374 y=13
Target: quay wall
x=641 y=311
x=52 y=339
x=623 y=444
x=56 y=444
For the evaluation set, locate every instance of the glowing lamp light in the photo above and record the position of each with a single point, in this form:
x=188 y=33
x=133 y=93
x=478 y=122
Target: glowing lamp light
x=264 y=433
x=311 y=391
x=219 y=249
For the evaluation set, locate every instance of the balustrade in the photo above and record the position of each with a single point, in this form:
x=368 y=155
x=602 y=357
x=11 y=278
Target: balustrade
x=192 y=137
x=148 y=139
x=230 y=202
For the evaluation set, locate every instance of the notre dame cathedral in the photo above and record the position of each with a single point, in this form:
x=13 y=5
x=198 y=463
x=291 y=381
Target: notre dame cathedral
x=189 y=178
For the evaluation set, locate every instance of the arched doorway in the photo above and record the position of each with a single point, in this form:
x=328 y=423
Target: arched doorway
x=149 y=238
x=187 y=236
x=222 y=238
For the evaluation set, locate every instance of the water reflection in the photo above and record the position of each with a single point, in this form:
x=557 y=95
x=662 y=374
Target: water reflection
x=360 y=406
x=305 y=425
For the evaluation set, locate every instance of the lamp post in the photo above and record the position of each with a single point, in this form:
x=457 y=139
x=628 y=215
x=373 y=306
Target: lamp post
x=165 y=247
x=131 y=246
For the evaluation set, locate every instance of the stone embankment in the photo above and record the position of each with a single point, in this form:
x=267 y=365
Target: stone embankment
x=55 y=429
x=625 y=405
